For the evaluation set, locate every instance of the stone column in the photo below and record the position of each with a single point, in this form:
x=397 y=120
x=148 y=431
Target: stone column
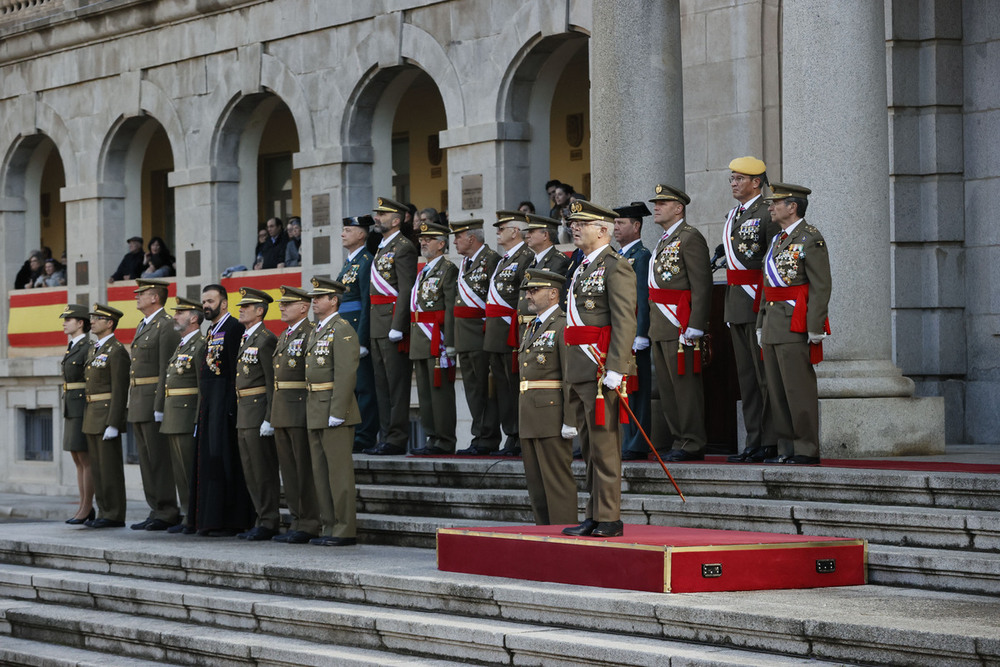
x=636 y=101
x=835 y=141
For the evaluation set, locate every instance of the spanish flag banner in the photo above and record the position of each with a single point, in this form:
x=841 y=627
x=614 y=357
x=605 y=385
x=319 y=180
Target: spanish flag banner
x=266 y=282
x=34 y=317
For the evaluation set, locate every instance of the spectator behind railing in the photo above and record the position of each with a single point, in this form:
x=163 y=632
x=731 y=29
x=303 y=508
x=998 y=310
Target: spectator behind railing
x=273 y=252
x=53 y=275
x=293 y=254
x=30 y=270
x=131 y=265
x=159 y=262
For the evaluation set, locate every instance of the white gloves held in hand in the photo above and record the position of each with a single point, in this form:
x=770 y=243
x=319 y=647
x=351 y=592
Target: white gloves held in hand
x=157 y=416
x=612 y=380
x=568 y=432
x=110 y=433
x=266 y=429
x=395 y=336
x=640 y=343
x=334 y=422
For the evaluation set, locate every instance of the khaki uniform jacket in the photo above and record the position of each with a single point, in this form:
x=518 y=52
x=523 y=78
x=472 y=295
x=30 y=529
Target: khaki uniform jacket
x=802 y=258
x=288 y=406
x=751 y=235
x=106 y=373
x=553 y=261
x=436 y=290
x=180 y=413
x=255 y=368
x=604 y=293
x=397 y=264
x=332 y=353
x=681 y=262
x=542 y=357
x=150 y=351
x=469 y=331
x=507 y=277
x=73 y=365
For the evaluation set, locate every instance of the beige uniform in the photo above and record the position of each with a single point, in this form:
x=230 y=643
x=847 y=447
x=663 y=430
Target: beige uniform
x=180 y=413
x=107 y=395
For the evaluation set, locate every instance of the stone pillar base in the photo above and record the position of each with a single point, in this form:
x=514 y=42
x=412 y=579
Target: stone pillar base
x=880 y=426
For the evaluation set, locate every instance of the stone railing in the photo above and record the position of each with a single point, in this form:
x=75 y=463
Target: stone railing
x=13 y=11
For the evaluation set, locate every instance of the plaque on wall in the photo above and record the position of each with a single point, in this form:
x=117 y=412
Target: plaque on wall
x=321 y=250
x=472 y=192
x=576 y=154
x=435 y=172
x=82 y=273
x=194 y=293
x=321 y=210
x=192 y=263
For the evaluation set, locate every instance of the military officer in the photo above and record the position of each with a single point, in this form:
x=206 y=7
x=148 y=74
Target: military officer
x=600 y=328
x=255 y=393
x=680 y=294
x=180 y=401
x=76 y=326
x=501 y=333
x=432 y=333
x=154 y=342
x=107 y=376
x=628 y=234
x=478 y=264
x=792 y=323
x=355 y=307
x=540 y=235
x=547 y=456
x=332 y=412
x=745 y=238
x=394 y=268
x=288 y=417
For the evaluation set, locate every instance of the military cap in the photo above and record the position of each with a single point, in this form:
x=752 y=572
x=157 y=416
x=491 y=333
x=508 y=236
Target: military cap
x=149 y=283
x=670 y=193
x=386 y=205
x=542 y=278
x=636 y=209
x=783 y=190
x=748 y=165
x=293 y=295
x=432 y=229
x=103 y=310
x=509 y=216
x=185 y=304
x=359 y=221
x=134 y=238
x=326 y=286
x=463 y=225
x=541 y=222
x=585 y=210
x=254 y=297
x=76 y=311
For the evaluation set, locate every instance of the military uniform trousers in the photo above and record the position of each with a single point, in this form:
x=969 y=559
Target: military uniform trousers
x=156 y=468
x=366 y=433
x=602 y=449
x=753 y=385
x=505 y=383
x=333 y=472
x=260 y=469
x=295 y=460
x=437 y=405
x=475 y=367
x=393 y=370
x=791 y=387
x=109 y=476
x=548 y=469
x=182 y=459
x=682 y=397
x=639 y=403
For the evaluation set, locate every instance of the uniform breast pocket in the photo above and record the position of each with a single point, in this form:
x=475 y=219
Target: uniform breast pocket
x=143 y=351
x=547 y=398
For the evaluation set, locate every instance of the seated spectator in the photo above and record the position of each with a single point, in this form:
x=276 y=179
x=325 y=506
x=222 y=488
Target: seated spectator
x=526 y=207
x=429 y=215
x=131 y=265
x=159 y=261
x=272 y=254
x=561 y=195
x=29 y=271
x=53 y=275
x=293 y=252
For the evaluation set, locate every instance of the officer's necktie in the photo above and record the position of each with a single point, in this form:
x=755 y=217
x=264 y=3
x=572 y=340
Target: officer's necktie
x=138 y=330
x=466 y=263
x=782 y=236
x=69 y=347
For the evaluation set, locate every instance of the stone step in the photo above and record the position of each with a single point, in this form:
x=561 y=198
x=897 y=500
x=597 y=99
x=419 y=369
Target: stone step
x=860 y=624
x=14 y=651
x=906 y=488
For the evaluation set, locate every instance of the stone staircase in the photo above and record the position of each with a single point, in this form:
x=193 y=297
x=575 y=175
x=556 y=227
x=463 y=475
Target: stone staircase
x=71 y=596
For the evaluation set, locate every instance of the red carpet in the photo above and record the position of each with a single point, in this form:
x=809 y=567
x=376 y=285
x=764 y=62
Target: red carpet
x=656 y=558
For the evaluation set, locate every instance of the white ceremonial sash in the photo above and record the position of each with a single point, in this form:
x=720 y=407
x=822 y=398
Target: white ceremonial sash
x=731 y=259
x=668 y=311
x=573 y=315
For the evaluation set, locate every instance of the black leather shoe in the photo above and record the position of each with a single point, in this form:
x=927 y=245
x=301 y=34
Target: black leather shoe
x=385 y=449
x=328 y=541
x=260 y=534
x=223 y=532
x=105 y=523
x=507 y=452
x=177 y=528
x=678 y=455
x=764 y=453
x=474 y=451
x=159 y=524
x=585 y=528
x=746 y=456
x=429 y=451
x=294 y=537
x=776 y=459
x=608 y=529
x=629 y=455
x=802 y=460
x=73 y=521
x=142 y=524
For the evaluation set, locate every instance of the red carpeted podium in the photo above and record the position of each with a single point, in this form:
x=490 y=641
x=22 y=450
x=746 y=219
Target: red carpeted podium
x=656 y=558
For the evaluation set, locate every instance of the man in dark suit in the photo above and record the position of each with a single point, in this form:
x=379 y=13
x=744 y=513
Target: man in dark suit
x=76 y=326
x=355 y=307
x=628 y=234
x=275 y=245
x=131 y=265
x=394 y=268
x=219 y=503
x=104 y=419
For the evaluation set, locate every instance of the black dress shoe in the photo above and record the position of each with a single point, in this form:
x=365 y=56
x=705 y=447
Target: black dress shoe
x=260 y=534
x=142 y=524
x=160 y=524
x=73 y=521
x=776 y=459
x=105 y=523
x=385 y=449
x=506 y=452
x=328 y=541
x=608 y=529
x=178 y=528
x=678 y=455
x=474 y=451
x=429 y=451
x=217 y=532
x=746 y=456
x=585 y=528
x=630 y=455
x=802 y=460
x=294 y=537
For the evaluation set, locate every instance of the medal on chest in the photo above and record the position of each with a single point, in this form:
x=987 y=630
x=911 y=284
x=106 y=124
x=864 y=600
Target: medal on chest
x=668 y=261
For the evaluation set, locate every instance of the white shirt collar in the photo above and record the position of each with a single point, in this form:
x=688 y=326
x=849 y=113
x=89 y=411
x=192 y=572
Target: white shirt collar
x=76 y=340
x=629 y=245
x=539 y=256
x=429 y=265
x=476 y=254
x=386 y=241
x=792 y=226
x=508 y=253
x=673 y=228
x=544 y=316
x=295 y=326
x=354 y=253
x=749 y=202
x=104 y=340
x=592 y=256
x=249 y=332
x=149 y=319
x=187 y=336
x=322 y=322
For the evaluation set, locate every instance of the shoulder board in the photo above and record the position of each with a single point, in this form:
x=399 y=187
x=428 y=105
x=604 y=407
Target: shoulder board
x=809 y=228
x=614 y=256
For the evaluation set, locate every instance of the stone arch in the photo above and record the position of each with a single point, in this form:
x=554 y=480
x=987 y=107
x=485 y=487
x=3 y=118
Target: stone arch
x=275 y=76
x=155 y=101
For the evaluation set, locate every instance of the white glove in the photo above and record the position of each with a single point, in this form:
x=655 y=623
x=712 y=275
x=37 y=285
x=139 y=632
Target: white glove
x=395 y=336
x=816 y=337
x=693 y=334
x=568 y=432
x=450 y=351
x=157 y=416
x=759 y=332
x=334 y=422
x=364 y=352
x=640 y=343
x=612 y=380
x=110 y=433
x=266 y=429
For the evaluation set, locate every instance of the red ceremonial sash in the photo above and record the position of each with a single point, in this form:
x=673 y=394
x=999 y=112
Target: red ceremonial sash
x=469 y=312
x=434 y=318
x=674 y=297
x=753 y=277
x=799 y=294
